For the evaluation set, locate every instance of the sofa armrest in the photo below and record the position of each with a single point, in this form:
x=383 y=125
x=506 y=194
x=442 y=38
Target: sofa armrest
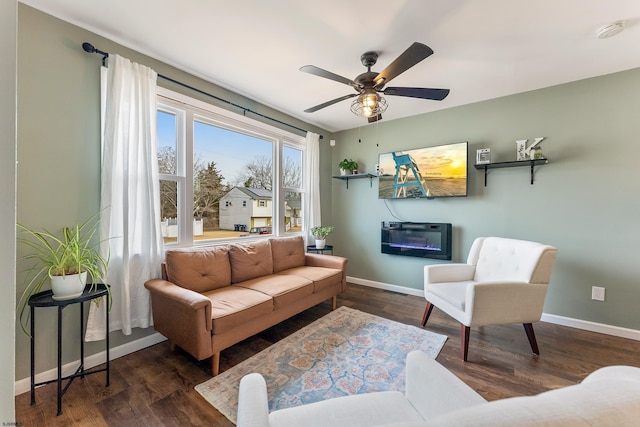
x=433 y=390
x=615 y=373
x=444 y=273
x=329 y=261
x=182 y=315
x=253 y=403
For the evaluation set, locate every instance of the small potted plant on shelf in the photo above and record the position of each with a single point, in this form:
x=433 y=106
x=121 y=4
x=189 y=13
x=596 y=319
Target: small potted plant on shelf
x=65 y=259
x=321 y=233
x=348 y=166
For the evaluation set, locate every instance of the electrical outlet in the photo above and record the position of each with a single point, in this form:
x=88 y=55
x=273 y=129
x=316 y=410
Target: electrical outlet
x=597 y=293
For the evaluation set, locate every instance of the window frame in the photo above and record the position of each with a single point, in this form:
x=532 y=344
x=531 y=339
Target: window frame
x=187 y=111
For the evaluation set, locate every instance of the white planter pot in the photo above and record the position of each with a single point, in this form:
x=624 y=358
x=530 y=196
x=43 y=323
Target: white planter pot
x=320 y=244
x=344 y=172
x=68 y=286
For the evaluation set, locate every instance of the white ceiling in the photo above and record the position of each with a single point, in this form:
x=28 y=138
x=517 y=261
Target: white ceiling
x=483 y=48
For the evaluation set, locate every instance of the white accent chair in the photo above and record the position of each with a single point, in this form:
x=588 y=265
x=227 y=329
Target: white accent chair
x=504 y=281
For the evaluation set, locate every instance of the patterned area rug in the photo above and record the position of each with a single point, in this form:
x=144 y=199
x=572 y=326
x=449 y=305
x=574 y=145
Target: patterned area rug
x=343 y=353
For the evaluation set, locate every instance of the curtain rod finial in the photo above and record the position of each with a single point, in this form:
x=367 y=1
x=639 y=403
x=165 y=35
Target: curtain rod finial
x=88 y=47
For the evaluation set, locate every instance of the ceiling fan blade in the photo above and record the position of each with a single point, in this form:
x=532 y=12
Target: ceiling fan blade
x=326 y=104
x=410 y=57
x=312 y=69
x=417 y=92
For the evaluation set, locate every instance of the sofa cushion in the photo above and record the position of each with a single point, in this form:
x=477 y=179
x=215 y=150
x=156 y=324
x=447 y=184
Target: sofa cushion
x=199 y=269
x=284 y=289
x=288 y=252
x=455 y=293
x=250 y=260
x=232 y=306
x=322 y=277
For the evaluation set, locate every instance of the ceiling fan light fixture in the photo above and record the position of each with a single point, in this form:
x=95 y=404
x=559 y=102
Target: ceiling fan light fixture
x=369 y=104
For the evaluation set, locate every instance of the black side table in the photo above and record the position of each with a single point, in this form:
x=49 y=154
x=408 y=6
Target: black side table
x=44 y=299
x=313 y=249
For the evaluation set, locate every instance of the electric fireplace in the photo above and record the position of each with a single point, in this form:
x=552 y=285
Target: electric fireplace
x=418 y=239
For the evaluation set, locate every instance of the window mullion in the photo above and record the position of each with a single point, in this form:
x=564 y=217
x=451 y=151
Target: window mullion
x=186 y=225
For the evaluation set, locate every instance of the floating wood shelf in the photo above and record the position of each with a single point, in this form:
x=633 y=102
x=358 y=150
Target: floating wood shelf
x=520 y=163
x=346 y=178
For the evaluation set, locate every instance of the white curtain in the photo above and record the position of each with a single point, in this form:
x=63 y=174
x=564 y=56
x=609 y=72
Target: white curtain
x=130 y=197
x=311 y=208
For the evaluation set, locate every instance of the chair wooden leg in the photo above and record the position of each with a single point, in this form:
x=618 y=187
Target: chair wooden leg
x=528 y=327
x=215 y=364
x=172 y=346
x=427 y=313
x=464 y=341
x=334 y=302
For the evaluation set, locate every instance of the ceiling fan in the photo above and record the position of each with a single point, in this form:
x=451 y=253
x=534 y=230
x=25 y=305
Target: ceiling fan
x=367 y=85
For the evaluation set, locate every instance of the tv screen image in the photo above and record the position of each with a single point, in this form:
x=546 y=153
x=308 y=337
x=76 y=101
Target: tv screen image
x=439 y=171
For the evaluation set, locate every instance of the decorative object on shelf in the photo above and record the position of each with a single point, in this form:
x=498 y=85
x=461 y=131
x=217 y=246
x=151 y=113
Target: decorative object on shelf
x=68 y=259
x=483 y=156
x=321 y=233
x=347 y=166
x=523 y=152
x=536 y=153
x=521 y=148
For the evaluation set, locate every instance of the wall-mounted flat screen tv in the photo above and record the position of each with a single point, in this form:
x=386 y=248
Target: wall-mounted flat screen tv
x=429 y=172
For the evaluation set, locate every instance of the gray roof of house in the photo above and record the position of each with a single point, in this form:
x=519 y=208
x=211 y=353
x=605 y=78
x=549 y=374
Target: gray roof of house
x=256 y=193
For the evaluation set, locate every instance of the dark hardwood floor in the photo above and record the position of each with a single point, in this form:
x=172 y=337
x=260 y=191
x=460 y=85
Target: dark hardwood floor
x=155 y=387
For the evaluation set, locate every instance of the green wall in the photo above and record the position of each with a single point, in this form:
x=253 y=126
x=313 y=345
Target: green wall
x=59 y=151
x=585 y=201
x=8 y=67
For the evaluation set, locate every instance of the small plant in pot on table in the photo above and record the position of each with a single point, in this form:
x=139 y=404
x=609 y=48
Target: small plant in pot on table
x=321 y=233
x=65 y=259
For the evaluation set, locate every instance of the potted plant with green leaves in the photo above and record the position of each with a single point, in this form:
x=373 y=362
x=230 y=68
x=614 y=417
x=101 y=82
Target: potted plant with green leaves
x=348 y=166
x=66 y=259
x=321 y=233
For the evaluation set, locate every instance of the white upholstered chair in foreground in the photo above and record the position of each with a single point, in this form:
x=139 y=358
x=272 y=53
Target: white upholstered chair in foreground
x=504 y=281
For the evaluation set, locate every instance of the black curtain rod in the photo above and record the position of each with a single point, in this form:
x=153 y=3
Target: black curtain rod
x=89 y=48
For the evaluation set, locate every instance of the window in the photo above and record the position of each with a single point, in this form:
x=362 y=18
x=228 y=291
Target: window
x=292 y=187
x=246 y=175
x=171 y=174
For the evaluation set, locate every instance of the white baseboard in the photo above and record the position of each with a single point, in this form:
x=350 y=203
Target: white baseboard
x=24 y=385
x=586 y=325
x=386 y=286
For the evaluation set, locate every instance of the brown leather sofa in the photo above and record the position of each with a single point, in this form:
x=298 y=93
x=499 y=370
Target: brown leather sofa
x=210 y=298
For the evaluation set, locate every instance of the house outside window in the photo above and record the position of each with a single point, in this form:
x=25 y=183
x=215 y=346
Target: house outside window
x=241 y=173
